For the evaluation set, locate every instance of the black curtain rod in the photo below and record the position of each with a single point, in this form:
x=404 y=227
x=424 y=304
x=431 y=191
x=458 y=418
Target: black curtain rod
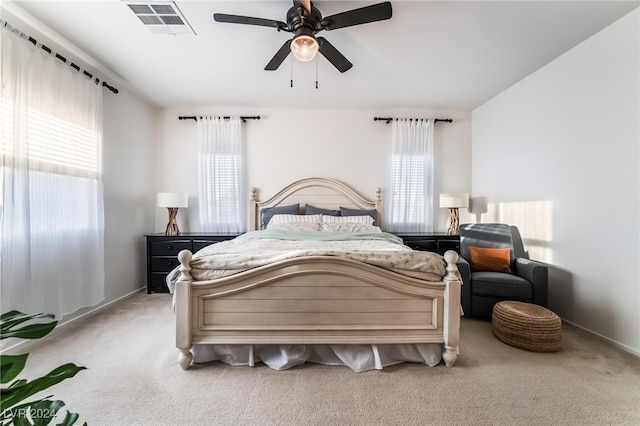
x=389 y=119
x=57 y=55
x=242 y=117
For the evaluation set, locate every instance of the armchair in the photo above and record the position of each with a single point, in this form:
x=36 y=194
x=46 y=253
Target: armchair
x=484 y=282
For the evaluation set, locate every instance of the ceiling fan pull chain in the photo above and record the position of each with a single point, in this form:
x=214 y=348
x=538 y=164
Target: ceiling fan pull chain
x=291 y=63
x=316 y=72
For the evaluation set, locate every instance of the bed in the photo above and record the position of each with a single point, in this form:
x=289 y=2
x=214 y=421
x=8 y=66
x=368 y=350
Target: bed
x=325 y=307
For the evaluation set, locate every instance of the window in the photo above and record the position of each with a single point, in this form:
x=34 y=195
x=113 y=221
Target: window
x=221 y=171
x=63 y=163
x=221 y=187
x=408 y=202
x=54 y=145
x=411 y=198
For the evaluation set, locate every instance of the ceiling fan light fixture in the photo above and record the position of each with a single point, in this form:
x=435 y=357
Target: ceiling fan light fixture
x=305 y=21
x=304 y=48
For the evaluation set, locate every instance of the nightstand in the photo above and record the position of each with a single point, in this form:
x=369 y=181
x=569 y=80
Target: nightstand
x=431 y=241
x=162 y=252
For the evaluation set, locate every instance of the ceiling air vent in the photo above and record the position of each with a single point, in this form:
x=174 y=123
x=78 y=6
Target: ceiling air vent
x=161 y=17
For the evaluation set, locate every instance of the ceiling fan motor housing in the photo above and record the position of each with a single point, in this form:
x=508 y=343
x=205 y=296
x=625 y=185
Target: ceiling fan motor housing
x=304 y=31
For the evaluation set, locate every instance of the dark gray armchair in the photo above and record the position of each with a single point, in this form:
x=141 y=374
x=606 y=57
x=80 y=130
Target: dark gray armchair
x=527 y=282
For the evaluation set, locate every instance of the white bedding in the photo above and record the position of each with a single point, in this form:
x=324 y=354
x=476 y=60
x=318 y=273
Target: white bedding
x=258 y=248
x=359 y=358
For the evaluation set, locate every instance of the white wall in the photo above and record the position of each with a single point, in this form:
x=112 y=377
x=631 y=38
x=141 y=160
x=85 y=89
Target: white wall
x=565 y=141
x=289 y=144
x=129 y=183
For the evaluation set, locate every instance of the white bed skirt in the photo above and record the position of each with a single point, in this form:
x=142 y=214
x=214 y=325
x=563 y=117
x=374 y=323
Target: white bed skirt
x=357 y=357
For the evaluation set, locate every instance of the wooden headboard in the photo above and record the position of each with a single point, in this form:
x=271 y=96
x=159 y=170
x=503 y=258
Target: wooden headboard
x=319 y=192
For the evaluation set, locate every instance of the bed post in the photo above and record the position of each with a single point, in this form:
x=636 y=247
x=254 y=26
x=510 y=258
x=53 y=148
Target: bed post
x=378 y=201
x=253 y=210
x=183 y=310
x=451 y=310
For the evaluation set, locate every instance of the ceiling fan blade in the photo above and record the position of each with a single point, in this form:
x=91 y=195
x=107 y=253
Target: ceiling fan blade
x=363 y=15
x=331 y=53
x=279 y=57
x=236 y=19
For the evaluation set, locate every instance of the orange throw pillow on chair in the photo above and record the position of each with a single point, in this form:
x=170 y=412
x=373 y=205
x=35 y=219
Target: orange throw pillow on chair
x=490 y=259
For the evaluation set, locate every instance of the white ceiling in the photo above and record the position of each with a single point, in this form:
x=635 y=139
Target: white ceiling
x=430 y=54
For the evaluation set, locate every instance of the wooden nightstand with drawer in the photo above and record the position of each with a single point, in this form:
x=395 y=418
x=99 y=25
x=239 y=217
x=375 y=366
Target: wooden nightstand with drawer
x=435 y=242
x=162 y=252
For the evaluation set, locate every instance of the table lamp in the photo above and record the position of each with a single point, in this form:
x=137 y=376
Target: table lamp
x=172 y=201
x=453 y=202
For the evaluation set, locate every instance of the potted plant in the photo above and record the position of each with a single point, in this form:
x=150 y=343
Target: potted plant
x=12 y=397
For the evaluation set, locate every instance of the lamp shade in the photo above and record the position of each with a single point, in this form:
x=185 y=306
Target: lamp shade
x=453 y=201
x=173 y=200
x=304 y=47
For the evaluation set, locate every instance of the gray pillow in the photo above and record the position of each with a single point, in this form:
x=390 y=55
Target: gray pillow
x=309 y=209
x=344 y=211
x=270 y=211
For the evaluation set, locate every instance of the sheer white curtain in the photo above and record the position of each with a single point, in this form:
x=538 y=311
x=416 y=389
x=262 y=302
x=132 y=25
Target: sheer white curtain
x=52 y=221
x=410 y=207
x=223 y=201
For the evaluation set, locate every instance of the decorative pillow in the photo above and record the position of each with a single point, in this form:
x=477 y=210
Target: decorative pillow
x=349 y=227
x=309 y=209
x=296 y=226
x=490 y=259
x=344 y=211
x=270 y=211
x=368 y=220
x=293 y=218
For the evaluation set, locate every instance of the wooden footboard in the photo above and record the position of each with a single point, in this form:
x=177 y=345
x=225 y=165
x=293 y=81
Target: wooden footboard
x=317 y=300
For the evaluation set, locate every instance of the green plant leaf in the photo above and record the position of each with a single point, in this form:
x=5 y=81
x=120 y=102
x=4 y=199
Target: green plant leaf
x=11 y=319
x=16 y=393
x=70 y=419
x=35 y=413
x=11 y=366
x=18 y=382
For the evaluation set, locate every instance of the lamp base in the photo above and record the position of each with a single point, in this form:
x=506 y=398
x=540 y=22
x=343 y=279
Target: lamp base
x=454 y=222
x=172 y=226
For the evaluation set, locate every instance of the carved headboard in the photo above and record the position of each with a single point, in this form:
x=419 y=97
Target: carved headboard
x=320 y=192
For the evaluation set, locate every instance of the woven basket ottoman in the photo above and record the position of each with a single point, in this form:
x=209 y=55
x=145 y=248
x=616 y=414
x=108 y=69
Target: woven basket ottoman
x=526 y=326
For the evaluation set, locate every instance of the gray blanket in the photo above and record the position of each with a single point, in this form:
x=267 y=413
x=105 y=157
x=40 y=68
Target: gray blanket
x=259 y=248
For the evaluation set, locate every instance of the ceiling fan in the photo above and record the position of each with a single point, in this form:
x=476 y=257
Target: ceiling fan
x=304 y=20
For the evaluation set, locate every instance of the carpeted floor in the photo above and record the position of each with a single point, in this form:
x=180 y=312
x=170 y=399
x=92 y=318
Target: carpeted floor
x=133 y=379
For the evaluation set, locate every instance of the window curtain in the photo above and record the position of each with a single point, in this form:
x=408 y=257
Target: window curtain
x=223 y=202
x=52 y=220
x=410 y=207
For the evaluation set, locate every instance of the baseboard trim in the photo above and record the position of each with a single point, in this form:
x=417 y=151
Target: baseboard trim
x=605 y=338
x=23 y=345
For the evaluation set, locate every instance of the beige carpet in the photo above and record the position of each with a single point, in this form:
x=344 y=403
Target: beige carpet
x=133 y=379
